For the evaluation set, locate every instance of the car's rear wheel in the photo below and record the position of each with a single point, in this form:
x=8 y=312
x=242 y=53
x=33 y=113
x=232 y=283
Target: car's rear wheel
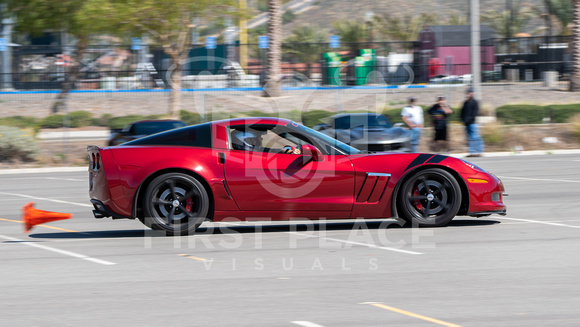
x=175 y=203
x=431 y=197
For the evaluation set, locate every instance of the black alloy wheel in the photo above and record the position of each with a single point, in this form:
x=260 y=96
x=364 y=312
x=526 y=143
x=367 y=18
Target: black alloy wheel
x=430 y=198
x=175 y=203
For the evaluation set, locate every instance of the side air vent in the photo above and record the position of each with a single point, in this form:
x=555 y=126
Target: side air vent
x=373 y=187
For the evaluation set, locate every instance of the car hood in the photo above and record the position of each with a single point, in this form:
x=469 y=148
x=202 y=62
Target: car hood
x=374 y=135
x=397 y=164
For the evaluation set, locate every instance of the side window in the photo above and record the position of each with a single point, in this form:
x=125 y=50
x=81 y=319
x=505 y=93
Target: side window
x=342 y=122
x=264 y=138
x=275 y=142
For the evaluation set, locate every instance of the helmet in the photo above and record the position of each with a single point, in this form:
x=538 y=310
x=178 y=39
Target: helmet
x=246 y=140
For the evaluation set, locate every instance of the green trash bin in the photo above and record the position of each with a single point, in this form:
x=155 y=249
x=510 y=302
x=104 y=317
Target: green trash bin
x=364 y=65
x=333 y=61
x=360 y=71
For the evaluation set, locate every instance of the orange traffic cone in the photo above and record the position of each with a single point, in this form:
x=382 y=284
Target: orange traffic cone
x=32 y=216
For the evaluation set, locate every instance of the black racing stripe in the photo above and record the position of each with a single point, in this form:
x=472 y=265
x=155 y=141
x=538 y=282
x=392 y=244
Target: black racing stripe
x=419 y=160
x=437 y=159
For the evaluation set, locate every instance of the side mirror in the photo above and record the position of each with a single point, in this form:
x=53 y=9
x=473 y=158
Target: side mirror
x=321 y=127
x=311 y=153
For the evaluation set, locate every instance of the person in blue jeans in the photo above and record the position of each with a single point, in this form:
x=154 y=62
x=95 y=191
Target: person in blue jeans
x=413 y=116
x=469 y=113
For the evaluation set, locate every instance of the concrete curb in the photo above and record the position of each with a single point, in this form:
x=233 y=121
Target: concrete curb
x=42 y=170
x=99 y=135
x=455 y=155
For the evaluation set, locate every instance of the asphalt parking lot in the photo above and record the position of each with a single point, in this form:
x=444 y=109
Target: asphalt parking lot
x=517 y=270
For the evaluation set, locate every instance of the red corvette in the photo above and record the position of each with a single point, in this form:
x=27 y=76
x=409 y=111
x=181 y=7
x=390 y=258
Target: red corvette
x=276 y=169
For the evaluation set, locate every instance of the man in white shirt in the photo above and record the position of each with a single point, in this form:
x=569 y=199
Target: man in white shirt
x=413 y=116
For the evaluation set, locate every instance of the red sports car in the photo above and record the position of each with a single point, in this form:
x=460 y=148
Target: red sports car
x=276 y=169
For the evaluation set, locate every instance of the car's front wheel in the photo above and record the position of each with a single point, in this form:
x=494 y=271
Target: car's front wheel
x=175 y=203
x=431 y=197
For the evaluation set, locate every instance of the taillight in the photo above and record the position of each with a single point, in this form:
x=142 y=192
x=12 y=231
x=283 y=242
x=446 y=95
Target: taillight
x=92 y=165
x=95 y=163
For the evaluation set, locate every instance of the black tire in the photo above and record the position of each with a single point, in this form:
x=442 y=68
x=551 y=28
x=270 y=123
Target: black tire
x=175 y=203
x=430 y=198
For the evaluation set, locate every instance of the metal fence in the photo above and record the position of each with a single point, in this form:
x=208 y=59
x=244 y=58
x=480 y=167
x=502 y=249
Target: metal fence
x=107 y=69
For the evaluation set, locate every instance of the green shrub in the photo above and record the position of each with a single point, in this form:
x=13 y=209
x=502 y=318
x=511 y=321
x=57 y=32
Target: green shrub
x=157 y=117
x=120 y=122
x=190 y=118
x=104 y=120
x=52 y=121
x=394 y=115
x=219 y=115
x=315 y=117
x=294 y=115
x=492 y=134
x=521 y=114
x=562 y=113
x=17 y=144
x=19 y=121
x=575 y=126
x=80 y=119
x=258 y=113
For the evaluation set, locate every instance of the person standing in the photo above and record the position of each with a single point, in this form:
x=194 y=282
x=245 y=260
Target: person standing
x=413 y=116
x=469 y=113
x=439 y=113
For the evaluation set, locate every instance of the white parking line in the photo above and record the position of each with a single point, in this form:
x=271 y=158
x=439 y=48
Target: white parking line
x=47 y=199
x=341 y=241
x=358 y=243
x=540 y=222
x=67 y=179
x=306 y=324
x=64 y=252
x=539 y=179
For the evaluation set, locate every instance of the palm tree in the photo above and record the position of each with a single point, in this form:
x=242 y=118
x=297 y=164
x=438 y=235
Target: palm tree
x=352 y=32
x=273 y=77
x=455 y=18
x=556 y=10
x=575 y=78
x=405 y=28
x=305 y=43
x=509 y=22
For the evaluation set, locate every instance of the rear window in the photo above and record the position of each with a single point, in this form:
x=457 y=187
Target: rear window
x=152 y=127
x=198 y=136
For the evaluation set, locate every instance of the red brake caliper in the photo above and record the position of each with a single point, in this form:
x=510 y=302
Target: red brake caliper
x=189 y=204
x=417 y=203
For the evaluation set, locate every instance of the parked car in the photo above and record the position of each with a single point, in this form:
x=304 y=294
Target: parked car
x=272 y=168
x=367 y=131
x=142 y=128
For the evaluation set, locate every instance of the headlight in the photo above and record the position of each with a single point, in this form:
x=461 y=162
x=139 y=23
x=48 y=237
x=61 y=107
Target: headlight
x=474 y=167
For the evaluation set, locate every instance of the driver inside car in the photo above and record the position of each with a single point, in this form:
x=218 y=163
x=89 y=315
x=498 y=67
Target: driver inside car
x=252 y=141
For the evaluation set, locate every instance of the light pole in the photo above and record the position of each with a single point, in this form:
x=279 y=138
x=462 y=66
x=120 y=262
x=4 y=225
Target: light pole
x=6 y=65
x=475 y=49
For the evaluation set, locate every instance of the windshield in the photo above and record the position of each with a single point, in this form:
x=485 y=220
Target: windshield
x=330 y=145
x=379 y=121
x=361 y=120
